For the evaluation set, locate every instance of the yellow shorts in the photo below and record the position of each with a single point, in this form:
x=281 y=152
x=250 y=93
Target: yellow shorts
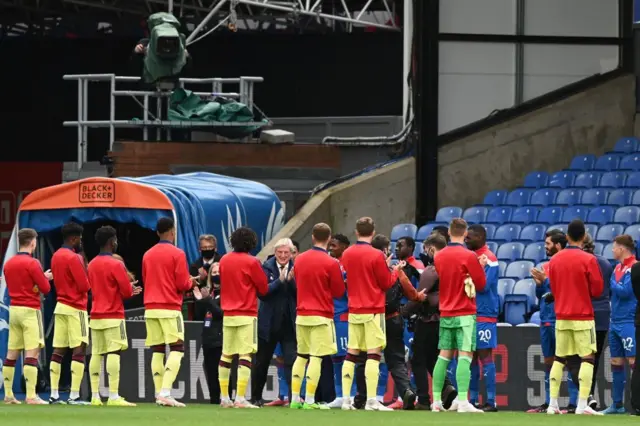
x=316 y=336
x=71 y=327
x=575 y=338
x=107 y=336
x=25 y=329
x=164 y=327
x=367 y=331
x=239 y=335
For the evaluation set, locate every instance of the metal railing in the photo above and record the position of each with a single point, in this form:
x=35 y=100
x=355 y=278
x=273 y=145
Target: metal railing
x=245 y=96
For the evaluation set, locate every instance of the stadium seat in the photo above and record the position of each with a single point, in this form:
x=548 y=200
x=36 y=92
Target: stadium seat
x=528 y=288
x=561 y=226
x=608 y=162
x=586 y=180
x=493 y=246
x=507 y=232
x=519 y=270
x=613 y=179
x=495 y=198
x=608 y=232
x=597 y=249
x=607 y=252
x=535 y=318
x=535 y=252
x=536 y=179
x=427 y=229
x=510 y=251
x=499 y=215
x=635 y=200
x=569 y=197
x=476 y=214
x=403 y=230
x=582 y=162
x=594 y=196
x=515 y=309
x=562 y=179
x=519 y=197
x=626 y=145
x=601 y=215
x=541 y=264
x=446 y=214
x=592 y=229
x=575 y=212
x=418 y=250
x=627 y=215
x=491 y=230
x=630 y=162
x=544 y=197
x=619 y=197
x=634 y=231
x=633 y=180
x=505 y=286
x=502 y=265
x=504 y=324
x=525 y=214
x=550 y=215
x=533 y=232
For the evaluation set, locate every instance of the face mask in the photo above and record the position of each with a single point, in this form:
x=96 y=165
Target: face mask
x=208 y=254
x=426 y=258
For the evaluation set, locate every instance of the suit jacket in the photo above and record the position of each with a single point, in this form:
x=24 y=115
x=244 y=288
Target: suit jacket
x=193 y=270
x=277 y=311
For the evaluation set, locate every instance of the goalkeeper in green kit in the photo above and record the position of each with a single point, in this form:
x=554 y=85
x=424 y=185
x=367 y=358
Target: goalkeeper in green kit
x=461 y=273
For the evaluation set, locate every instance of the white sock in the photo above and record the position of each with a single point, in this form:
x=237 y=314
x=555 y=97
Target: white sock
x=373 y=400
x=113 y=395
x=295 y=397
x=165 y=393
x=240 y=399
x=226 y=399
x=55 y=394
x=95 y=395
x=582 y=404
x=380 y=398
x=310 y=400
x=553 y=402
x=74 y=395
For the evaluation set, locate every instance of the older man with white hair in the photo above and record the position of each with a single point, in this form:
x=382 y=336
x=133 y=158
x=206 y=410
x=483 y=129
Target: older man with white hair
x=276 y=318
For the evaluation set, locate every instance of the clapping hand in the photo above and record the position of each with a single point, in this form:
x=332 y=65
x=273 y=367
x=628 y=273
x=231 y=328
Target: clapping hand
x=290 y=275
x=400 y=265
x=538 y=275
x=202 y=274
x=197 y=294
x=136 y=289
x=422 y=295
x=483 y=259
x=48 y=274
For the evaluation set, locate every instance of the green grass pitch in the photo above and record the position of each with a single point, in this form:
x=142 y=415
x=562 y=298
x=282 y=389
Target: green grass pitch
x=206 y=415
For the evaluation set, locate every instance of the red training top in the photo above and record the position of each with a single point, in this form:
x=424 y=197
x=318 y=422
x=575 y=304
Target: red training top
x=411 y=260
x=368 y=278
x=241 y=280
x=70 y=278
x=319 y=281
x=25 y=281
x=453 y=263
x=575 y=278
x=109 y=285
x=165 y=274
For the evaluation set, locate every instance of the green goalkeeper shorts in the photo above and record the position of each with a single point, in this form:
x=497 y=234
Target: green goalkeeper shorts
x=458 y=333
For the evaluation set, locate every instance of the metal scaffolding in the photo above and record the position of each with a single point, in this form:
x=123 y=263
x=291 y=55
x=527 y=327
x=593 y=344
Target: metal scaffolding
x=152 y=120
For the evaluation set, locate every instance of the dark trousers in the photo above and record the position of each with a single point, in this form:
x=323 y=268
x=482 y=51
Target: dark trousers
x=263 y=361
x=635 y=380
x=394 y=355
x=211 y=360
x=326 y=391
x=601 y=337
x=425 y=356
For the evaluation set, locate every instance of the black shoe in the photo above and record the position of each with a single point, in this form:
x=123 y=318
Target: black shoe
x=57 y=401
x=635 y=412
x=449 y=393
x=591 y=402
x=409 y=400
x=423 y=407
x=489 y=408
x=359 y=401
x=258 y=403
x=571 y=409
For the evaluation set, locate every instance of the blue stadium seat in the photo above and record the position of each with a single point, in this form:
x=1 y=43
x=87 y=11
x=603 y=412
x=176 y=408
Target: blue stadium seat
x=493 y=246
x=426 y=230
x=499 y=215
x=608 y=232
x=592 y=229
x=575 y=212
x=403 y=230
x=446 y=214
x=533 y=232
x=510 y=251
x=525 y=214
x=519 y=270
x=635 y=200
x=582 y=162
x=540 y=265
x=418 y=250
x=601 y=215
x=630 y=162
x=634 y=231
x=587 y=180
x=613 y=179
x=528 y=288
x=544 y=197
x=507 y=232
x=597 y=249
x=561 y=179
x=627 y=215
x=633 y=180
x=550 y=215
x=495 y=198
x=536 y=179
x=392 y=247
x=502 y=265
x=535 y=318
x=560 y=226
x=569 y=197
x=594 y=196
x=491 y=230
x=607 y=252
x=505 y=286
x=515 y=309
x=535 y=252
x=519 y=197
x=626 y=145
x=476 y=214
x=620 y=197
x=608 y=162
